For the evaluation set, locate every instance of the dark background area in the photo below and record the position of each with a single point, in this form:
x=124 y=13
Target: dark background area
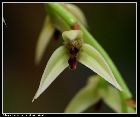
x=113 y=25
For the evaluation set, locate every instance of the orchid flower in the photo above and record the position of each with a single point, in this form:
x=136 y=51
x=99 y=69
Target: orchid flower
x=79 y=46
x=95 y=91
x=73 y=50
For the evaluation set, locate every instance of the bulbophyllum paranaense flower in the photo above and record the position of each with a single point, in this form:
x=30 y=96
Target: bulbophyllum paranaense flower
x=74 y=50
x=94 y=93
x=53 y=27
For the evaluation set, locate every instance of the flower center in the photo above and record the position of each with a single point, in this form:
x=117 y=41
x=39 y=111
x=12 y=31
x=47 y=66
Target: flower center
x=73 y=42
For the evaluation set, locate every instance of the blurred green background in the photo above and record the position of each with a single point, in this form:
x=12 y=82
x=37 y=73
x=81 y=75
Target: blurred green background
x=113 y=25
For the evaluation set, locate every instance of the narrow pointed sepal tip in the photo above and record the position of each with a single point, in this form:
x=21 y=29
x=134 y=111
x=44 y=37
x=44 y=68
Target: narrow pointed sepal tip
x=33 y=100
x=35 y=97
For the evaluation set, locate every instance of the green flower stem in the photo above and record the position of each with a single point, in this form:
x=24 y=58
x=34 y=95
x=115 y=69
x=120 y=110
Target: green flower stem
x=56 y=9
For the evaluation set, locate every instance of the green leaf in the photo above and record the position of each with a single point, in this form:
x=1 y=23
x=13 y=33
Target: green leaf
x=86 y=97
x=92 y=59
x=56 y=64
x=44 y=38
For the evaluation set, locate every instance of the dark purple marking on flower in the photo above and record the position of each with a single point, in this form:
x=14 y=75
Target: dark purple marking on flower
x=73 y=50
x=56 y=35
x=75 y=26
x=72 y=62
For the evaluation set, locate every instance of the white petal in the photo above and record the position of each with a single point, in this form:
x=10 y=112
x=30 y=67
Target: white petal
x=56 y=64
x=44 y=38
x=91 y=58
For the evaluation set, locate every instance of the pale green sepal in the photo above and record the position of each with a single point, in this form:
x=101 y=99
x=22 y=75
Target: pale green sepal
x=92 y=59
x=44 y=38
x=56 y=64
x=112 y=97
x=85 y=98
